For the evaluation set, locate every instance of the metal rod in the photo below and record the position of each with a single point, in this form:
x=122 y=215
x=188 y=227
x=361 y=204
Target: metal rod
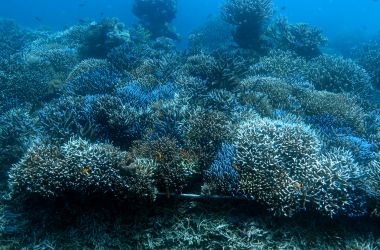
x=200 y=196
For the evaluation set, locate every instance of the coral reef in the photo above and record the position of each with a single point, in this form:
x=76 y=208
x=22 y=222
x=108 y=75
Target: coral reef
x=281 y=166
x=13 y=38
x=122 y=137
x=17 y=128
x=301 y=38
x=156 y=16
x=176 y=165
x=337 y=74
x=372 y=185
x=249 y=17
x=273 y=160
x=80 y=168
x=115 y=121
x=99 y=38
x=329 y=111
x=368 y=56
x=222 y=177
x=325 y=72
x=280 y=64
x=212 y=35
x=205 y=133
x=91 y=77
x=220 y=70
x=64 y=118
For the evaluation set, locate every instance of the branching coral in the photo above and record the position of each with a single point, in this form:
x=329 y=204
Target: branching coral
x=368 y=56
x=66 y=117
x=279 y=94
x=138 y=97
x=325 y=72
x=140 y=177
x=29 y=77
x=329 y=111
x=91 y=77
x=371 y=185
x=129 y=56
x=37 y=72
x=81 y=168
x=168 y=119
x=156 y=15
x=362 y=149
x=249 y=17
x=157 y=69
x=221 y=100
x=17 y=131
x=205 y=133
x=222 y=70
x=339 y=75
x=222 y=177
x=99 y=38
x=280 y=64
x=342 y=110
x=272 y=159
x=201 y=65
x=281 y=165
x=176 y=165
x=335 y=189
x=12 y=38
x=115 y=121
x=215 y=33
x=301 y=38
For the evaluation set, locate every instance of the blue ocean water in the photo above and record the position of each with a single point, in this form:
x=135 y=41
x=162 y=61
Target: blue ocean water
x=189 y=124
x=332 y=16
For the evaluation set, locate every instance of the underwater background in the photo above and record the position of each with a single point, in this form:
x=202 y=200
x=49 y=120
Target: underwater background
x=190 y=124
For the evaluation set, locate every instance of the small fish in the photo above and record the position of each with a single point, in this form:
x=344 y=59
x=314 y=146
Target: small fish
x=38 y=19
x=283 y=8
x=81 y=21
x=81 y=5
x=101 y=14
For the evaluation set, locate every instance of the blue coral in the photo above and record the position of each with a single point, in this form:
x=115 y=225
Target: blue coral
x=92 y=77
x=222 y=175
x=329 y=124
x=167 y=121
x=137 y=97
x=364 y=150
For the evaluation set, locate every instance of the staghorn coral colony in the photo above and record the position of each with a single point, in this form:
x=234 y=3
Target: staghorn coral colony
x=252 y=112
